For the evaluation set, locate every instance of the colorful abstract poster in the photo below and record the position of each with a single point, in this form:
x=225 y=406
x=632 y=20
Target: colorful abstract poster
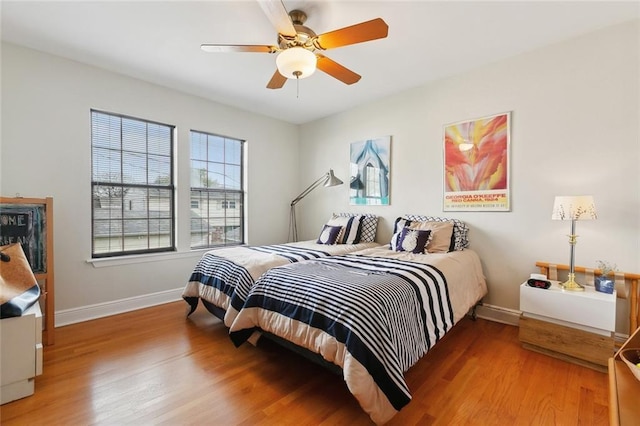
x=476 y=164
x=369 y=172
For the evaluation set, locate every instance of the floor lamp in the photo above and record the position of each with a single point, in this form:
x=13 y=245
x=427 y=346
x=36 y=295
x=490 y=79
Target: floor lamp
x=577 y=207
x=328 y=179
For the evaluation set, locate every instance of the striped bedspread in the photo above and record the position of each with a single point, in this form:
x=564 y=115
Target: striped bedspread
x=291 y=253
x=218 y=273
x=374 y=317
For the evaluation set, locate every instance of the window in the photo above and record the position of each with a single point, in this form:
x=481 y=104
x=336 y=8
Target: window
x=217 y=190
x=228 y=204
x=132 y=186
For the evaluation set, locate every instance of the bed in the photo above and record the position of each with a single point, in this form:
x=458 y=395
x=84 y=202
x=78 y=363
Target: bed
x=219 y=272
x=373 y=313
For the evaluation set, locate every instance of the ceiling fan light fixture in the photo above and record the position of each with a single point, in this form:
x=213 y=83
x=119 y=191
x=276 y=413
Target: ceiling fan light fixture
x=296 y=62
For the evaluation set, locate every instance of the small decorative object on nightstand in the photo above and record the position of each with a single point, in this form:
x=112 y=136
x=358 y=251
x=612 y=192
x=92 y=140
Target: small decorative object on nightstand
x=604 y=282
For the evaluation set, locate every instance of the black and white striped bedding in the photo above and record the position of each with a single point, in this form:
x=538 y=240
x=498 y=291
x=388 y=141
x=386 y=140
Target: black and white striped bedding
x=224 y=275
x=367 y=314
x=291 y=253
x=217 y=274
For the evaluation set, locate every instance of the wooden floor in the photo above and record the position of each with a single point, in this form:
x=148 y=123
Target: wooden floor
x=154 y=366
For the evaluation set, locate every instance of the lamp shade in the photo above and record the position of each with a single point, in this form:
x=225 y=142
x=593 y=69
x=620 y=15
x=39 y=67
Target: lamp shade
x=574 y=207
x=296 y=62
x=332 y=180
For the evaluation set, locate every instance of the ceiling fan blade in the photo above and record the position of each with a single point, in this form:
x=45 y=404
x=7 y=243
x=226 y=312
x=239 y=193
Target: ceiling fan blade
x=336 y=70
x=224 y=48
x=277 y=14
x=358 y=33
x=277 y=81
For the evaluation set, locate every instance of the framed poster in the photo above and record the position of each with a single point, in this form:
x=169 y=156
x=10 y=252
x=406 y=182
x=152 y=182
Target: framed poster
x=369 y=172
x=476 y=164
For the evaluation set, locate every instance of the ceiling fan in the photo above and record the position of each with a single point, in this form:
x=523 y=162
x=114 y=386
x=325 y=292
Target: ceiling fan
x=298 y=45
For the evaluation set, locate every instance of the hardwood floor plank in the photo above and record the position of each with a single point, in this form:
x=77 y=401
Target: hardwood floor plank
x=154 y=366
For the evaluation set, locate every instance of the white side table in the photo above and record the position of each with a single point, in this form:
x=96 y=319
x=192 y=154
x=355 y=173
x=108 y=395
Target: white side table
x=20 y=354
x=577 y=326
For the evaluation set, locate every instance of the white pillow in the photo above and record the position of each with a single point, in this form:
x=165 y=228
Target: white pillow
x=351 y=225
x=459 y=237
x=440 y=235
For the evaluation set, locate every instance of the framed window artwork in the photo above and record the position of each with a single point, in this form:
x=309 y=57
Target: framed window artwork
x=369 y=172
x=476 y=164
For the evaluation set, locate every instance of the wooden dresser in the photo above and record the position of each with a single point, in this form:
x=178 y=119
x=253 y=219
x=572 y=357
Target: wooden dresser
x=624 y=388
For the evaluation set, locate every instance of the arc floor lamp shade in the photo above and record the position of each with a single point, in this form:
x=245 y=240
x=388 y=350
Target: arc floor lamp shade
x=327 y=179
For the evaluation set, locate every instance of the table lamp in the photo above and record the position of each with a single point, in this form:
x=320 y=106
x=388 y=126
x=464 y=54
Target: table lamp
x=573 y=208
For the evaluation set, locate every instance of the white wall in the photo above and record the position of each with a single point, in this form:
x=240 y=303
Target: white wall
x=575 y=129
x=46 y=151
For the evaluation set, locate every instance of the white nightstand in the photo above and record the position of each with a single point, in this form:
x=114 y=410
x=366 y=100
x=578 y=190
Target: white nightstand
x=577 y=326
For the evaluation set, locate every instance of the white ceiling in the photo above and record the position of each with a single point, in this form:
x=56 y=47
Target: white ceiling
x=428 y=40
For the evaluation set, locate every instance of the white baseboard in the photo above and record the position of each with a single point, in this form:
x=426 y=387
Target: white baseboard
x=498 y=314
x=99 y=310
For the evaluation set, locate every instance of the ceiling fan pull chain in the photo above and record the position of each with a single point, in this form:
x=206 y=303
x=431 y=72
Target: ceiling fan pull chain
x=297 y=74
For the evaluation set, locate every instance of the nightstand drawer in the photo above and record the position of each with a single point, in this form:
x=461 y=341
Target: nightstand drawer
x=559 y=339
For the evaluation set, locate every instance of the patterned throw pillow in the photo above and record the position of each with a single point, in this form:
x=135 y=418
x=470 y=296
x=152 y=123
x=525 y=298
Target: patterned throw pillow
x=351 y=224
x=459 y=238
x=441 y=233
x=398 y=226
x=369 y=225
x=329 y=234
x=413 y=240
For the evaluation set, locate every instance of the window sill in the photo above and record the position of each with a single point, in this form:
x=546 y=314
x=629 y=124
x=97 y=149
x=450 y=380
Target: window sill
x=144 y=258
